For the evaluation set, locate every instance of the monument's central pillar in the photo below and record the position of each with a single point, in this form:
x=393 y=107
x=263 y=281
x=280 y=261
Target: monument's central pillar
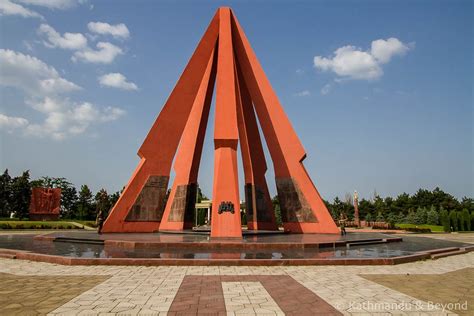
x=244 y=97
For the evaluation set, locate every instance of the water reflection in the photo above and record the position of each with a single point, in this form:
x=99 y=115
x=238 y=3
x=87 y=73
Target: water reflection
x=409 y=246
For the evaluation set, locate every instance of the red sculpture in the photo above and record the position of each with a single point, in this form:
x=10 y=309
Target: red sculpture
x=45 y=203
x=224 y=57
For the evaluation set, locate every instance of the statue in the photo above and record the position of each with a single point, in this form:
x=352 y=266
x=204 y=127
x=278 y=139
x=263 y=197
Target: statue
x=356 y=208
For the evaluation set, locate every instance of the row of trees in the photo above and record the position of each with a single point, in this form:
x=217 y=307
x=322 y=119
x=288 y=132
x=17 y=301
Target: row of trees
x=15 y=195
x=434 y=207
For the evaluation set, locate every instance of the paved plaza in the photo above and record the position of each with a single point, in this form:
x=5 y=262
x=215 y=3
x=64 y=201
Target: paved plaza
x=433 y=287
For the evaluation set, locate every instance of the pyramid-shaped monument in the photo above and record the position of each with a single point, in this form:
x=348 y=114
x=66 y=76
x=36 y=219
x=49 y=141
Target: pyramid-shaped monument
x=243 y=94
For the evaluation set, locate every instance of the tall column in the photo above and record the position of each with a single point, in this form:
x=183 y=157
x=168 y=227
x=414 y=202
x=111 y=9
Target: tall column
x=302 y=208
x=179 y=209
x=259 y=207
x=226 y=204
x=141 y=205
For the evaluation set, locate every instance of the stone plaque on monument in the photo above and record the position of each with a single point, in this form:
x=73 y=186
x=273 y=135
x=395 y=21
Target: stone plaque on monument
x=45 y=203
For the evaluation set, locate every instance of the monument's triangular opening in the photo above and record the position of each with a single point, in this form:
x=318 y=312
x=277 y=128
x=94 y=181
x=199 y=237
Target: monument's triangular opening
x=223 y=58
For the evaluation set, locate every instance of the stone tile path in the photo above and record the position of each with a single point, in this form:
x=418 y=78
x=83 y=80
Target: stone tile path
x=140 y=290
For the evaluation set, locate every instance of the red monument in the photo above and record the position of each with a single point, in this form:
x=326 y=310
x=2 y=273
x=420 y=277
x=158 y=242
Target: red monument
x=45 y=204
x=223 y=58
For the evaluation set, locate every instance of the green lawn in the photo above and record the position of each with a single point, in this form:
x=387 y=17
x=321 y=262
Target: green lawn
x=83 y=222
x=36 y=225
x=434 y=228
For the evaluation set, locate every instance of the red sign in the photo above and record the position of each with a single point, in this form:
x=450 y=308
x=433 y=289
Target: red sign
x=45 y=201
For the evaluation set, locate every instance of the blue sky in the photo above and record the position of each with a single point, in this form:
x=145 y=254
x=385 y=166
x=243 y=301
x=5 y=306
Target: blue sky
x=380 y=92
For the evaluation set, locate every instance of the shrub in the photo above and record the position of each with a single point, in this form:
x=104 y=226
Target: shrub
x=5 y=226
x=418 y=230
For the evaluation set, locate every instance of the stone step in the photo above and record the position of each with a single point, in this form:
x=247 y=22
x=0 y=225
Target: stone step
x=79 y=240
x=7 y=256
x=448 y=253
x=365 y=242
x=442 y=250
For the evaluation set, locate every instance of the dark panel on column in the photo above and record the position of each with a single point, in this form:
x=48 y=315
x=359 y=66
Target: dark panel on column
x=149 y=205
x=293 y=205
x=183 y=203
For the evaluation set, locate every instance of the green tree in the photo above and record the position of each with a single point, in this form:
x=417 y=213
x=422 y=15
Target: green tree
x=444 y=219
x=432 y=216
x=369 y=217
x=453 y=221
x=402 y=203
x=472 y=220
x=392 y=219
x=411 y=217
x=113 y=198
x=85 y=203
x=380 y=217
x=68 y=193
x=277 y=209
x=102 y=202
x=365 y=207
x=467 y=203
x=380 y=207
x=460 y=221
x=466 y=219
x=201 y=196
x=5 y=194
x=69 y=202
x=420 y=216
x=21 y=195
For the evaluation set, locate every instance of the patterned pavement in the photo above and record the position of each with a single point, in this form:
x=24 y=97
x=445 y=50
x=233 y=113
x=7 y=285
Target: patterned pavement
x=429 y=287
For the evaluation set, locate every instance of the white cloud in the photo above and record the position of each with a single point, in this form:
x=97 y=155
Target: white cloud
x=105 y=54
x=384 y=50
x=10 y=122
x=52 y=4
x=31 y=75
x=303 y=93
x=44 y=92
x=73 y=41
x=326 y=89
x=352 y=63
x=117 y=80
x=117 y=30
x=299 y=71
x=9 y=8
x=65 y=118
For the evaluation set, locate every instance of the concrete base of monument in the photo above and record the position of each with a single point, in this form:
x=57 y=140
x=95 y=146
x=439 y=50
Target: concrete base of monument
x=90 y=248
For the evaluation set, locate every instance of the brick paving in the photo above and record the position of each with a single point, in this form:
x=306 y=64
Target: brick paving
x=238 y=290
x=281 y=294
x=33 y=295
x=451 y=287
